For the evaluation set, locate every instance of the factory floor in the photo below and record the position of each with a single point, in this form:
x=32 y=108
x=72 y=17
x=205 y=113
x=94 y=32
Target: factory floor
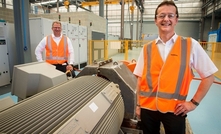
x=205 y=119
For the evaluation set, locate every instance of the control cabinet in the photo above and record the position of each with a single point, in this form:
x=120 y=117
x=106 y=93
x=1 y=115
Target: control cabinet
x=39 y=28
x=4 y=62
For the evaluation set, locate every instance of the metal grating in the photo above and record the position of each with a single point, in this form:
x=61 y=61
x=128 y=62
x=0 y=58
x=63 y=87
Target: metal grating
x=48 y=110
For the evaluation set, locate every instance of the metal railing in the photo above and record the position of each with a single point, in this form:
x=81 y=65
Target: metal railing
x=213 y=49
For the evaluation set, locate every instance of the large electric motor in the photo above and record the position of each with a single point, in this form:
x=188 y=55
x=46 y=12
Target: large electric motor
x=88 y=104
x=118 y=73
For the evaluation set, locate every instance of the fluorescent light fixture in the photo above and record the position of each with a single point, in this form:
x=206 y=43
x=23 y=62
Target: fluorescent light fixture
x=51 y=1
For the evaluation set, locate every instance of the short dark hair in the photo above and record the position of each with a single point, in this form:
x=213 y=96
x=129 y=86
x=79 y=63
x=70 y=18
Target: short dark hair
x=168 y=3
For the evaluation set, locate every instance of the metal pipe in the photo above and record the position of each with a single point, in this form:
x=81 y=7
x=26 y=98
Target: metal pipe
x=122 y=20
x=141 y=25
x=101 y=8
x=132 y=20
x=137 y=35
x=57 y=6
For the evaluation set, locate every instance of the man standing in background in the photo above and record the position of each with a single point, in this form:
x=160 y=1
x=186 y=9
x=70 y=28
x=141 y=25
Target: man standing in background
x=59 y=50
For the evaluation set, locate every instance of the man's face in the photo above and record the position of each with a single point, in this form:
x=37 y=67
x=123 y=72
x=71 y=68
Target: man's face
x=166 y=19
x=56 y=29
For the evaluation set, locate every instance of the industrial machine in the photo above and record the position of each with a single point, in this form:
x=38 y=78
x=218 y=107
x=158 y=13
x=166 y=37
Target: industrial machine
x=118 y=73
x=32 y=78
x=101 y=99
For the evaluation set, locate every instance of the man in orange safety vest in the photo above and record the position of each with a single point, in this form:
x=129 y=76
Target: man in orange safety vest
x=164 y=71
x=59 y=50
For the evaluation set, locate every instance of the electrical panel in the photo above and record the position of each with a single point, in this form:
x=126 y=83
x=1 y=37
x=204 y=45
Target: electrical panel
x=39 y=28
x=73 y=35
x=78 y=36
x=82 y=34
x=4 y=61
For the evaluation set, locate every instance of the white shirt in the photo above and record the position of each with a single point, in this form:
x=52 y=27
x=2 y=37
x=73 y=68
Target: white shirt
x=41 y=47
x=199 y=59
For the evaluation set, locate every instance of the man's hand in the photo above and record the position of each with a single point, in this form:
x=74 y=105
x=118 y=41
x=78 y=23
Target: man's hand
x=184 y=108
x=138 y=112
x=69 y=67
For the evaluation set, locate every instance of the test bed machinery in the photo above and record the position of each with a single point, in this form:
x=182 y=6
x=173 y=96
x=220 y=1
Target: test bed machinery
x=101 y=99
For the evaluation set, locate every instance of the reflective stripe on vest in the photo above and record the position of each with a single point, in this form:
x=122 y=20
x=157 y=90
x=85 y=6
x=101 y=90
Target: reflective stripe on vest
x=51 y=57
x=157 y=87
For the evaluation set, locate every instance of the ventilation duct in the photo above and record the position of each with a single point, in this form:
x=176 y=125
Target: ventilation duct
x=87 y=104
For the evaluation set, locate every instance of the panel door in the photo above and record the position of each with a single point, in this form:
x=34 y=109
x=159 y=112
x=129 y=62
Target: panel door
x=83 y=44
x=73 y=35
x=4 y=65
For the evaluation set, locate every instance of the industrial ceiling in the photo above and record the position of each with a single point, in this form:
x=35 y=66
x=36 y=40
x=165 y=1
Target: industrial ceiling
x=80 y=3
x=83 y=3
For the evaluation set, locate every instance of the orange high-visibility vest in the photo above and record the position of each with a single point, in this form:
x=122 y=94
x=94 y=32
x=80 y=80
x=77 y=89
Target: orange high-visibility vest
x=56 y=54
x=165 y=84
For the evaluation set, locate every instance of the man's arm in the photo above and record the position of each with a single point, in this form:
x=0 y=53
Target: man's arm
x=39 y=49
x=205 y=70
x=138 y=99
x=71 y=52
x=70 y=55
x=203 y=88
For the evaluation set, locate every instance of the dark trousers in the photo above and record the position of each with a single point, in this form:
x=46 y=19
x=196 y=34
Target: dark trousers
x=62 y=68
x=173 y=124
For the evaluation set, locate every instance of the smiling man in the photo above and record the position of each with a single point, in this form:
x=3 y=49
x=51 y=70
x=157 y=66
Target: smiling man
x=59 y=49
x=164 y=71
